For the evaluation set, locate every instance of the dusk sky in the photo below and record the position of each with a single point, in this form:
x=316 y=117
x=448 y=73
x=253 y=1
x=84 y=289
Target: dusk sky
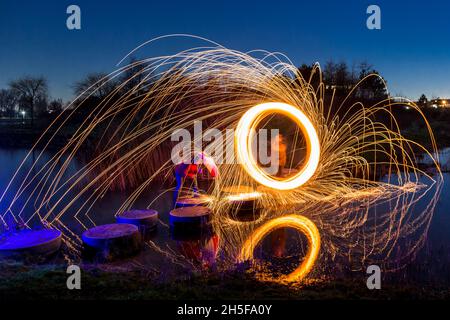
x=412 y=50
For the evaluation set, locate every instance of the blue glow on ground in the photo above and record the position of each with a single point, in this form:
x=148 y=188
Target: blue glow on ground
x=27 y=239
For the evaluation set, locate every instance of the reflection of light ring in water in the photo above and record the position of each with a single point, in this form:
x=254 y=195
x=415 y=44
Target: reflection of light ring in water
x=298 y=222
x=244 y=135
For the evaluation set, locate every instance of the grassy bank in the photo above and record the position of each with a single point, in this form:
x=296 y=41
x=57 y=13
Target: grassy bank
x=49 y=282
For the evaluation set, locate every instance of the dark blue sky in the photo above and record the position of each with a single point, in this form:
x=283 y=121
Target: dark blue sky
x=412 y=50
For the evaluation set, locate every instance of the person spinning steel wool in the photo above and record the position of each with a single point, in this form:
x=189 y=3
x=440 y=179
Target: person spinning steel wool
x=183 y=172
x=189 y=171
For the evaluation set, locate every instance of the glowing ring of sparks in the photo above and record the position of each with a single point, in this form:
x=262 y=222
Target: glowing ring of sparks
x=245 y=132
x=298 y=222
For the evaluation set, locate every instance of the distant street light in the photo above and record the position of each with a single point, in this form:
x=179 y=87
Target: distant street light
x=23 y=115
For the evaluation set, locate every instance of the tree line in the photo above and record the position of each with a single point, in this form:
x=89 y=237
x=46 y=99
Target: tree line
x=29 y=96
x=362 y=79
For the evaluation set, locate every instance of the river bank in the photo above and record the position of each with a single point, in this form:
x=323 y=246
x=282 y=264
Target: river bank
x=47 y=282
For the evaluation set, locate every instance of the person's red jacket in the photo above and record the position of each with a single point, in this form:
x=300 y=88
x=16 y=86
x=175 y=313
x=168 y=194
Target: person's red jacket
x=186 y=170
x=192 y=171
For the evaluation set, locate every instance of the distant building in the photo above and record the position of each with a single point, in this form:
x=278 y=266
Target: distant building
x=439 y=103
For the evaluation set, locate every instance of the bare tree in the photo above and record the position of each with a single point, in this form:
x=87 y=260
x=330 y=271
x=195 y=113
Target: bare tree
x=136 y=77
x=7 y=102
x=97 y=85
x=342 y=76
x=338 y=77
x=329 y=73
x=55 y=105
x=31 y=93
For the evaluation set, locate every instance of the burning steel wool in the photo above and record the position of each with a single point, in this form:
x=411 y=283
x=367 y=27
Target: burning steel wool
x=333 y=196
